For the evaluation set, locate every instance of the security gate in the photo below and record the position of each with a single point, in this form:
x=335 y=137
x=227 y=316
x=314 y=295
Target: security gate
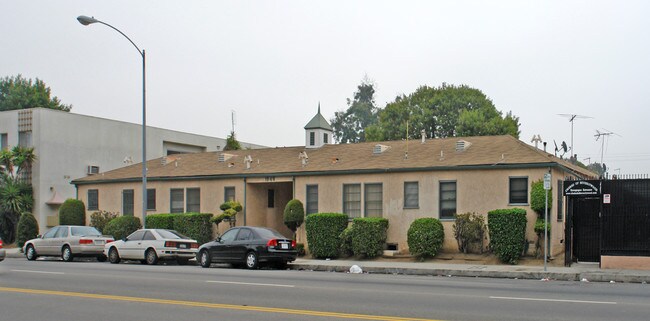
x=586 y=229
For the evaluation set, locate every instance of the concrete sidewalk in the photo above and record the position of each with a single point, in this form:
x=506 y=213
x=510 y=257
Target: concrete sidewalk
x=577 y=272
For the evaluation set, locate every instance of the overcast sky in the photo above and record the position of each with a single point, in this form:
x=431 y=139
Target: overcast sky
x=272 y=62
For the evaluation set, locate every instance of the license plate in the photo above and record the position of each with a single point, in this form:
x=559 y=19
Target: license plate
x=284 y=246
x=183 y=246
x=99 y=242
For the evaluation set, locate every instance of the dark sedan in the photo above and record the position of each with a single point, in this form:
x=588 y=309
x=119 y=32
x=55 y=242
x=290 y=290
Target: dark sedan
x=248 y=246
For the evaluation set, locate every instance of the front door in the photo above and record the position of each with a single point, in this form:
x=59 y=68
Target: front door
x=586 y=229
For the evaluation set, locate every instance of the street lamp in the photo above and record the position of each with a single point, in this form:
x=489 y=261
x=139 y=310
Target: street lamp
x=85 y=20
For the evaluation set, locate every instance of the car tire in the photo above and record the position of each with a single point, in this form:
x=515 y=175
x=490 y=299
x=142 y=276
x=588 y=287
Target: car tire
x=101 y=258
x=30 y=253
x=66 y=254
x=151 y=257
x=113 y=256
x=204 y=259
x=182 y=261
x=251 y=260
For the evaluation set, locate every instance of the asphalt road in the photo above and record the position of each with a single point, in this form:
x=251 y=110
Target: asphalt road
x=55 y=290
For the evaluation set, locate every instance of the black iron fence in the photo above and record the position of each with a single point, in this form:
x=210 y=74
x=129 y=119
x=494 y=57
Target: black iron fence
x=625 y=219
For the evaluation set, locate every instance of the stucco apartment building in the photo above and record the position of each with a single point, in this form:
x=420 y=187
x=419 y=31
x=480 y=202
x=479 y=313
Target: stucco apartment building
x=69 y=146
x=397 y=180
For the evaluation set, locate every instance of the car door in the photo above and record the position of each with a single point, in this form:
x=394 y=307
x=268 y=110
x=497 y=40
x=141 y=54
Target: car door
x=222 y=249
x=149 y=240
x=44 y=245
x=59 y=239
x=241 y=244
x=131 y=247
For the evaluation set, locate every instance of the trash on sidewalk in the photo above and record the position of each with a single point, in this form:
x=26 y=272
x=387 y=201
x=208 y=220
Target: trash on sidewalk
x=584 y=280
x=355 y=269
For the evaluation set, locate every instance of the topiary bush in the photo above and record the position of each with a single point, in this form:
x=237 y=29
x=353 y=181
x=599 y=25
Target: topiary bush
x=323 y=233
x=72 y=212
x=196 y=226
x=469 y=232
x=368 y=235
x=165 y=221
x=27 y=229
x=425 y=237
x=122 y=226
x=537 y=196
x=99 y=219
x=294 y=215
x=346 y=242
x=507 y=233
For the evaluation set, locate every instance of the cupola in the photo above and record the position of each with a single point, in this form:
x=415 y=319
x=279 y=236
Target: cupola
x=318 y=131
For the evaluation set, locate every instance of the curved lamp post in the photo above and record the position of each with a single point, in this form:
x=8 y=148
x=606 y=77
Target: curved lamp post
x=85 y=20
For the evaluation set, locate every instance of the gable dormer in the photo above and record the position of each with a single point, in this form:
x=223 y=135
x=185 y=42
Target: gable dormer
x=318 y=131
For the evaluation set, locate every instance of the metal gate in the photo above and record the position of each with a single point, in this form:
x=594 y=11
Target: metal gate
x=586 y=229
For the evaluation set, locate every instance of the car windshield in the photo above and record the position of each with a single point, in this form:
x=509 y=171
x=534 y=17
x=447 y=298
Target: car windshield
x=85 y=231
x=169 y=234
x=267 y=233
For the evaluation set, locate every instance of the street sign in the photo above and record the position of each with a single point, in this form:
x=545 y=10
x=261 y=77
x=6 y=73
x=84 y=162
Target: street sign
x=547 y=181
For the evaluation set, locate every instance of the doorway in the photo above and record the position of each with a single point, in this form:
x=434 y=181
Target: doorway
x=586 y=229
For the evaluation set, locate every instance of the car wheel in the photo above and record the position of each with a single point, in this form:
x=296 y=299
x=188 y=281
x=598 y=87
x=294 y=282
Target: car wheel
x=151 y=257
x=31 y=253
x=204 y=259
x=101 y=258
x=182 y=261
x=113 y=256
x=66 y=254
x=251 y=260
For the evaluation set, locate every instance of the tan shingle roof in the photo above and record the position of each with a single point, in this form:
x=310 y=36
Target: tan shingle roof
x=434 y=153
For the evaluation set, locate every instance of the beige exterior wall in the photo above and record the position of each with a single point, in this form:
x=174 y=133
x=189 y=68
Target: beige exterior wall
x=478 y=191
x=625 y=262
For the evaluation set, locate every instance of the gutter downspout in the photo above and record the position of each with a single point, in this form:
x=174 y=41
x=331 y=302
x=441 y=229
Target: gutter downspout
x=245 y=205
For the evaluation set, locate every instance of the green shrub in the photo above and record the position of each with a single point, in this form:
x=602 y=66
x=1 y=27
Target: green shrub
x=469 y=232
x=27 y=229
x=122 y=226
x=294 y=215
x=368 y=236
x=537 y=196
x=507 y=233
x=230 y=210
x=346 y=242
x=425 y=237
x=539 y=226
x=300 y=248
x=196 y=226
x=165 y=221
x=323 y=233
x=72 y=212
x=99 y=219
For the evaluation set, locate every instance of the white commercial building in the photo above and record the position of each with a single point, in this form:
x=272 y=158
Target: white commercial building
x=70 y=146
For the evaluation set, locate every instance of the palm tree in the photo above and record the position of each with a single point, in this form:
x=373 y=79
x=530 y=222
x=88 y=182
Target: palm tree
x=16 y=196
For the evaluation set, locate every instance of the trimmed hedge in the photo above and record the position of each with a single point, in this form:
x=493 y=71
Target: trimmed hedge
x=194 y=225
x=165 y=221
x=99 y=219
x=425 y=237
x=27 y=229
x=122 y=226
x=323 y=233
x=72 y=212
x=507 y=233
x=537 y=197
x=368 y=236
x=346 y=242
x=294 y=215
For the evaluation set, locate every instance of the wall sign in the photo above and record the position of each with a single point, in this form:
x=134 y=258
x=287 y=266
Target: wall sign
x=584 y=188
x=607 y=198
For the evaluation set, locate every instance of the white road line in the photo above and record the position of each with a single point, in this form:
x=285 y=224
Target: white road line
x=260 y=284
x=41 y=272
x=551 y=300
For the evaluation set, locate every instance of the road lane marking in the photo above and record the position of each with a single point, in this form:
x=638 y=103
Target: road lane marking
x=41 y=272
x=211 y=305
x=551 y=300
x=260 y=284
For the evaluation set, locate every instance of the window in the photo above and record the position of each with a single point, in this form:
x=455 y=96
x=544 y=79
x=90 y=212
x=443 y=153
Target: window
x=229 y=193
x=193 y=200
x=373 y=196
x=518 y=190
x=229 y=235
x=4 y=142
x=244 y=235
x=312 y=138
x=411 y=195
x=25 y=139
x=560 y=202
x=62 y=232
x=50 y=234
x=151 y=199
x=312 y=199
x=177 y=200
x=270 y=202
x=136 y=236
x=93 y=200
x=352 y=200
x=325 y=138
x=148 y=236
x=127 y=202
x=447 y=200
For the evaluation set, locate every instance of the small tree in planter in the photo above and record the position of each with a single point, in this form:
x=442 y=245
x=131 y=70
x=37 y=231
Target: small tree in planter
x=230 y=210
x=537 y=197
x=294 y=215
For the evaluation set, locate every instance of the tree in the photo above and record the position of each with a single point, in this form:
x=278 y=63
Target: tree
x=17 y=92
x=294 y=215
x=349 y=125
x=16 y=195
x=231 y=142
x=445 y=111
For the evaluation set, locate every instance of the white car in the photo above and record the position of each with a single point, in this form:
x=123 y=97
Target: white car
x=151 y=245
x=68 y=242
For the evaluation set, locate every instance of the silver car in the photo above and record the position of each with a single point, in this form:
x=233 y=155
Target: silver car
x=151 y=245
x=2 y=252
x=68 y=242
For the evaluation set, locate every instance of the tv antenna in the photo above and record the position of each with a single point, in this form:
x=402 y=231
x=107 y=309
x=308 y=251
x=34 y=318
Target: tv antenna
x=233 y=119
x=573 y=117
x=604 y=133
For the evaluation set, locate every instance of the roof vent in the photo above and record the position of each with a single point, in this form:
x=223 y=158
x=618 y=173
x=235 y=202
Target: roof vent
x=379 y=148
x=462 y=145
x=224 y=157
